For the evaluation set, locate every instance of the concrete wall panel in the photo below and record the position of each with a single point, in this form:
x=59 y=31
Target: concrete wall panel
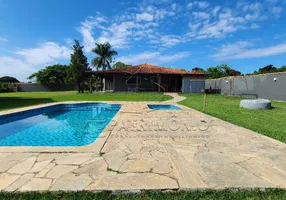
x=37 y=87
x=264 y=86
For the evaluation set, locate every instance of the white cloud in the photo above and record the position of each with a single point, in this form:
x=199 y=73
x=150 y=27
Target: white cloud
x=199 y=4
x=170 y=40
x=69 y=41
x=215 y=10
x=86 y=31
x=201 y=15
x=120 y=32
x=10 y=66
x=254 y=26
x=255 y=6
x=144 y=17
x=46 y=53
x=276 y=11
x=242 y=50
x=215 y=27
x=27 y=61
x=251 y=17
x=117 y=34
x=152 y=57
x=157 y=1
x=279 y=36
x=167 y=40
x=253 y=11
x=246 y=6
x=3 y=39
x=162 y=13
x=272 y=1
x=173 y=6
x=148 y=23
x=202 y=4
x=195 y=26
x=190 y=5
x=231 y=49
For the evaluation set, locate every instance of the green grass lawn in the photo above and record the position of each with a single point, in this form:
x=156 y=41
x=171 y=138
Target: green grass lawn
x=155 y=195
x=271 y=123
x=21 y=99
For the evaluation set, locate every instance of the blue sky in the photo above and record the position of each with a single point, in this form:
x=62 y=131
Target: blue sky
x=181 y=34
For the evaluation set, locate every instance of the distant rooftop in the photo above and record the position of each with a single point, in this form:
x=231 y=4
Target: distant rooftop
x=150 y=69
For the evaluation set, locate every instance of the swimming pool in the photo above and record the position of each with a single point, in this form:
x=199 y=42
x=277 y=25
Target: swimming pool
x=58 y=125
x=163 y=107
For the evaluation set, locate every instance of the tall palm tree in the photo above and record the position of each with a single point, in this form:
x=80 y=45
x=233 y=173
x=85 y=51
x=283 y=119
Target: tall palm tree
x=104 y=54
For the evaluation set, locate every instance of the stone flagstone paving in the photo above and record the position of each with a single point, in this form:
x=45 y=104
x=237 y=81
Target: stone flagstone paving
x=147 y=149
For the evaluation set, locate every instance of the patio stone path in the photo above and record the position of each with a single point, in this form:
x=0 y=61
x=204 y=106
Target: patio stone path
x=147 y=149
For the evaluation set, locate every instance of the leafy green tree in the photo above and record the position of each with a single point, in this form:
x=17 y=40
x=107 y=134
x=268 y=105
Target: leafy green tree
x=198 y=69
x=79 y=64
x=226 y=70
x=215 y=72
x=267 y=69
x=8 y=79
x=53 y=74
x=120 y=65
x=221 y=71
x=104 y=54
x=282 y=68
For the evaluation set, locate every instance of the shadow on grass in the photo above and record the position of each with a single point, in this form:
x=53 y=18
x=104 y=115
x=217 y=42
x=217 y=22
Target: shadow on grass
x=280 y=107
x=17 y=102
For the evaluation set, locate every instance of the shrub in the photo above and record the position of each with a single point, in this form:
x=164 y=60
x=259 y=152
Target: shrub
x=8 y=87
x=8 y=79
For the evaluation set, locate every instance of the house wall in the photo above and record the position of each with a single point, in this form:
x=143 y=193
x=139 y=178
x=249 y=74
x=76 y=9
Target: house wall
x=262 y=86
x=193 y=84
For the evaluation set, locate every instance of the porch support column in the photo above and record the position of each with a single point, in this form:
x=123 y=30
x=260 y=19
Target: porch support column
x=176 y=83
x=104 y=84
x=159 y=83
x=113 y=83
x=137 y=82
x=101 y=83
x=96 y=83
x=90 y=86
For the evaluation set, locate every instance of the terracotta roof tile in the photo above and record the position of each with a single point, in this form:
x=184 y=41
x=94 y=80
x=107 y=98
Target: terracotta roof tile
x=150 y=69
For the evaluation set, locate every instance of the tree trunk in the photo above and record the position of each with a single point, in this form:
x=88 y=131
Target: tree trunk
x=78 y=87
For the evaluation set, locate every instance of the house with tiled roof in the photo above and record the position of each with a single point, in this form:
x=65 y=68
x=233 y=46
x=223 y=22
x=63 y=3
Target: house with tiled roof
x=151 y=78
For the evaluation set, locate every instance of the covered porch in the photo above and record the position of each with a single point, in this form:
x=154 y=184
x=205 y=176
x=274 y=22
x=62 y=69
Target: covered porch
x=143 y=78
x=137 y=82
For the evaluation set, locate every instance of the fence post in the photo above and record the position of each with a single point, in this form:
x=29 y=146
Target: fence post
x=205 y=102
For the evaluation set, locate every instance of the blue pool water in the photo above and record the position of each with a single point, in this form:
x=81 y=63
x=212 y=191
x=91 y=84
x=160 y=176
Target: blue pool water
x=163 y=107
x=59 y=125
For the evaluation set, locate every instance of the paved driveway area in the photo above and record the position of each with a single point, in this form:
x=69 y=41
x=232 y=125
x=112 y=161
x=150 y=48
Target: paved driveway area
x=147 y=149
